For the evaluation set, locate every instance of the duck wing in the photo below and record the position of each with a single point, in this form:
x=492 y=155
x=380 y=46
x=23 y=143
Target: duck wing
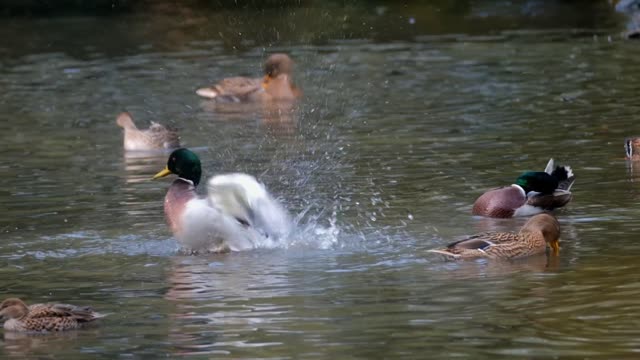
x=234 y=89
x=559 y=198
x=482 y=245
x=164 y=136
x=244 y=198
x=564 y=174
x=484 y=240
x=475 y=242
x=78 y=313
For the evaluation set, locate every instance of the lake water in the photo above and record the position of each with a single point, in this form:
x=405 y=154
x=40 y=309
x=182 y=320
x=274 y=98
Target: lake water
x=410 y=113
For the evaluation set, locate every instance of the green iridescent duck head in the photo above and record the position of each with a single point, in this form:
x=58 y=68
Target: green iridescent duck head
x=538 y=181
x=184 y=163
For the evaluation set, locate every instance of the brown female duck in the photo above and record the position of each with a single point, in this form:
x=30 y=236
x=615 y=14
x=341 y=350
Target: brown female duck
x=156 y=137
x=277 y=84
x=17 y=316
x=537 y=232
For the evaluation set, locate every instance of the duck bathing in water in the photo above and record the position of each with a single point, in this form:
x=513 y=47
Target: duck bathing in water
x=237 y=214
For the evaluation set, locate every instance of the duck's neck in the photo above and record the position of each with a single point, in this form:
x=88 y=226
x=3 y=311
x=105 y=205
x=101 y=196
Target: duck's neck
x=180 y=192
x=282 y=88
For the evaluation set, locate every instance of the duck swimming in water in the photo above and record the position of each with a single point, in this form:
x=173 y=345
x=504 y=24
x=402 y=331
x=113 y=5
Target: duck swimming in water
x=17 y=316
x=532 y=193
x=532 y=239
x=237 y=214
x=277 y=84
x=156 y=137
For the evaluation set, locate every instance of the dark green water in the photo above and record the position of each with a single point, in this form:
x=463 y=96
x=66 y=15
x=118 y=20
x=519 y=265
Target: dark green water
x=410 y=113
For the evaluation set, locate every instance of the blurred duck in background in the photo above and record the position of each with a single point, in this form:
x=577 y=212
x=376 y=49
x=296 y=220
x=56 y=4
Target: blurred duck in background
x=276 y=85
x=156 y=137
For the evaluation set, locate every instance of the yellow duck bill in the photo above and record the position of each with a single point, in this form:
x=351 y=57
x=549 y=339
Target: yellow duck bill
x=164 y=172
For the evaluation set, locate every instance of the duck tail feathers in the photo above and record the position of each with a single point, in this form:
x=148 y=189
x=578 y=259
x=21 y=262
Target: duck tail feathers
x=563 y=174
x=565 y=177
x=208 y=92
x=97 y=315
x=549 y=168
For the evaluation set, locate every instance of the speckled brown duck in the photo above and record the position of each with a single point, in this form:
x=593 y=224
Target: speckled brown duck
x=156 y=137
x=532 y=193
x=17 y=316
x=277 y=84
x=532 y=239
x=237 y=214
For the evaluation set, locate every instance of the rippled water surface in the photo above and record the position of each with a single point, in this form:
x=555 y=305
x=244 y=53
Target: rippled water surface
x=410 y=113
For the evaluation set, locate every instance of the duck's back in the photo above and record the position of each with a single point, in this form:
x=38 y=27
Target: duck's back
x=500 y=202
x=234 y=89
x=53 y=317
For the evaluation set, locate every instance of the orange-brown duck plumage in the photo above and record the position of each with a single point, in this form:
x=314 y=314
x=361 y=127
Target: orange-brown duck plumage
x=277 y=84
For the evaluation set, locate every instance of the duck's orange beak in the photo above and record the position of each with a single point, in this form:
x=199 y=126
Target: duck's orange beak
x=164 y=172
x=555 y=247
x=265 y=82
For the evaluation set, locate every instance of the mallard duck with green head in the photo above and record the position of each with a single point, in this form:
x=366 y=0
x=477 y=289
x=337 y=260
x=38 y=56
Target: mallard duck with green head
x=532 y=193
x=532 y=239
x=17 y=316
x=237 y=214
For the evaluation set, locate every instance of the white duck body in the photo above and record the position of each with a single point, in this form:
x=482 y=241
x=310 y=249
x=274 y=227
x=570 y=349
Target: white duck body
x=237 y=214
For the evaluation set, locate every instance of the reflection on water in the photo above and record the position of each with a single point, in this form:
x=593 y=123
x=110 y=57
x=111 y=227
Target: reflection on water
x=209 y=292
x=140 y=166
x=278 y=117
x=411 y=111
x=20 y=345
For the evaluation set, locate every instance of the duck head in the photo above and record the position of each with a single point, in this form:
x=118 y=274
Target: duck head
x=548 y=226
x=184 y=163
x=12 y=308
x=632 y=148
x=124 y=120
x=538 y=181
x=276 y=65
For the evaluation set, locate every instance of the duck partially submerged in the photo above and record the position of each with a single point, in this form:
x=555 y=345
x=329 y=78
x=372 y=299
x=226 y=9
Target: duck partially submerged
x=532 y=193
x=156 y=137
x=17 y=316
x=238 y=213
x=277 y=84
x=532 y=239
